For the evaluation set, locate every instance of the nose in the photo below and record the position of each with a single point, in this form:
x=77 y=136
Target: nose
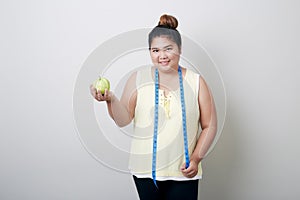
x=162 y=55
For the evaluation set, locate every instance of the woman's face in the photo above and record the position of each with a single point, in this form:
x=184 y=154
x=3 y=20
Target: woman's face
x=165 y=53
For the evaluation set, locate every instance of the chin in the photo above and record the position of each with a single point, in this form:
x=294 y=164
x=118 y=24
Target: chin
x=164 y=67
x=167 y=68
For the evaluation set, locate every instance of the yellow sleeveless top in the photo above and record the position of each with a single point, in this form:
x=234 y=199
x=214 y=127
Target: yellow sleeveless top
x=170 y=142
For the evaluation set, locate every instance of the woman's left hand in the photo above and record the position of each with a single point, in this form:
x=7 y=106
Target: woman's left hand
x=191 y=171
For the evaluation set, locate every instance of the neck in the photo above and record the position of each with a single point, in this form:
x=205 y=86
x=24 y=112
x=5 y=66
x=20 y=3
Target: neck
x=168 y=74
x=168 y=80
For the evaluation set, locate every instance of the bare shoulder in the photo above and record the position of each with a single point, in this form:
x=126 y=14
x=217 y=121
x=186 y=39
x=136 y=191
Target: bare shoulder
x=204 y=93
x=131 y=81
x=132 y=76
x=202 y=82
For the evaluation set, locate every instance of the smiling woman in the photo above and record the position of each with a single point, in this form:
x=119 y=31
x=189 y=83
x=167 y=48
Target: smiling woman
x=169 y=105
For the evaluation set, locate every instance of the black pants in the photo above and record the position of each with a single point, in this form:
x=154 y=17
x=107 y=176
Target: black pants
x=167 y=190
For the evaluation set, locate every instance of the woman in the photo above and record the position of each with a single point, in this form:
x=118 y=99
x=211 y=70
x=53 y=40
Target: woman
x=170 y=106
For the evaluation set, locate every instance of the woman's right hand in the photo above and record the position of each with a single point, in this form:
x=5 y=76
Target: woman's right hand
x=107 y=96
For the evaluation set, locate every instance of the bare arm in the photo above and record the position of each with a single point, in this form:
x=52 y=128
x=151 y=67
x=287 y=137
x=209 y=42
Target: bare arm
x=208 y=121
x=121 y=111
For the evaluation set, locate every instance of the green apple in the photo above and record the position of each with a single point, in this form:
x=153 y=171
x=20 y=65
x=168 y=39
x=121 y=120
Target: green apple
x=102 y=84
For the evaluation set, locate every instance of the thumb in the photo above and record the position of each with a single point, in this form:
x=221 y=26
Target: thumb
x=183 y=166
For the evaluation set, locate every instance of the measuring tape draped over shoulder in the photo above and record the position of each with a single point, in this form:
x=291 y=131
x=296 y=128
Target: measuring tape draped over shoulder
x=187 y=159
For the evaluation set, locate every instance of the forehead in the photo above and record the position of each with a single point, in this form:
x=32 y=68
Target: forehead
x=162 y=41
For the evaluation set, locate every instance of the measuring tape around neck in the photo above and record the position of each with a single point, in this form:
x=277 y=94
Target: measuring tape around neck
x=187 y=159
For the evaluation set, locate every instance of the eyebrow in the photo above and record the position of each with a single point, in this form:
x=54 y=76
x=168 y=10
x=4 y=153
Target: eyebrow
x=170 y=45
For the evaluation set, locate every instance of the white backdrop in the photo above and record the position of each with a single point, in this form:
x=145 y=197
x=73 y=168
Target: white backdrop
x=255 y=45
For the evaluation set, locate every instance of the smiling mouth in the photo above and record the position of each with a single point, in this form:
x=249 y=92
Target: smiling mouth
x=164 y=63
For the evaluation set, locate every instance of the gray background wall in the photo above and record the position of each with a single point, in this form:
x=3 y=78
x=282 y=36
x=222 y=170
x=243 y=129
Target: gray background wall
x=255 y=45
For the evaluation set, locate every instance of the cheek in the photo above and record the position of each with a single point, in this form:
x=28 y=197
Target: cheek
x=173 y=56
x=153 y=56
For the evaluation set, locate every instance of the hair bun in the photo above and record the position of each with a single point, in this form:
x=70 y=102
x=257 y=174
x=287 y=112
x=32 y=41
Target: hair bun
x=169 y=21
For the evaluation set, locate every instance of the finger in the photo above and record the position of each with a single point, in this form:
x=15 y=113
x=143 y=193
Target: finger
x=99 y=95
x=93 y=90
x=191 y=172
x=192 y=175
x=96 y=96
x=182 y=167
x=106 y=93
x=91 y=87
x=189 y=169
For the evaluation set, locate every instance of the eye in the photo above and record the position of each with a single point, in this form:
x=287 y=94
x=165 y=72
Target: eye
x=169 y=49
x=154 y=50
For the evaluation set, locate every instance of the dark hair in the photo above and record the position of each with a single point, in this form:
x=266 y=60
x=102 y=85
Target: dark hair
x=166 y=27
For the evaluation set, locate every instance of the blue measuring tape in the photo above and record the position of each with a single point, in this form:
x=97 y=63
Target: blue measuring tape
x=186 y=151
x=155 y=128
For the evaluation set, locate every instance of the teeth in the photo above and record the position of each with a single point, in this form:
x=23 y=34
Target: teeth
x=164 y=63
